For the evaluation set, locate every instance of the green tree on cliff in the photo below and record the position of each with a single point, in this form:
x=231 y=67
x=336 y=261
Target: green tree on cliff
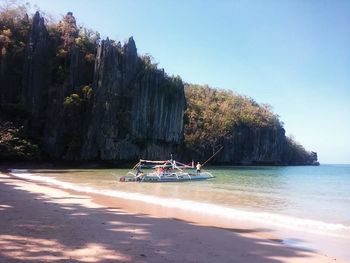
x=212 y=114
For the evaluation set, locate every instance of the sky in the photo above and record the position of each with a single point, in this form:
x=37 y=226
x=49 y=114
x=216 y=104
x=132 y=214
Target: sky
x=293 y=55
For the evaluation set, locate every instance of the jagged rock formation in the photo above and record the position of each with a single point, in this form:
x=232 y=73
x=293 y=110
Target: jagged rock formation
x=250 y=146
x=263 y=146
x=137 y=111
x=96 y=102
x=257 y=146
x=36 y=72
x=81 y=99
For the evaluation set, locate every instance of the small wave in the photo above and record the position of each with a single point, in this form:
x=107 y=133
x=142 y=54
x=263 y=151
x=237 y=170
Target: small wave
x=229 y=213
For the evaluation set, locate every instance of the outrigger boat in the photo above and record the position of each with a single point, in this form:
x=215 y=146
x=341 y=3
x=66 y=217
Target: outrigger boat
x=164 y=171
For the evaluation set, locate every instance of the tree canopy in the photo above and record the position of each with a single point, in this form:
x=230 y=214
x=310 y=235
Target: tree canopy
x=212 y=114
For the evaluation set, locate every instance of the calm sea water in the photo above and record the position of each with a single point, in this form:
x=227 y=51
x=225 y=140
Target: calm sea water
x=312 y=197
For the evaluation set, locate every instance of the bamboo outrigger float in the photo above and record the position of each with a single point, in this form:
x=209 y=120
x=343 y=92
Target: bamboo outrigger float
x=164 y=171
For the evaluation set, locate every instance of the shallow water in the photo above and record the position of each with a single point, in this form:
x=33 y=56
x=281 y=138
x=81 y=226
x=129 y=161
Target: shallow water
x=314 y=198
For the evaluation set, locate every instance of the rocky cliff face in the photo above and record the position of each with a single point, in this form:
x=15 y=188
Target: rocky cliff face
x=256 y=146
x=250 y=133
x=36 y=73
x=105 y=103
x=83 y=100
x=137 y=110
x=250 y=146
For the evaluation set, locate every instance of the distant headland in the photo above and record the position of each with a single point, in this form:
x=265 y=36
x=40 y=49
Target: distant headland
x=65 y=94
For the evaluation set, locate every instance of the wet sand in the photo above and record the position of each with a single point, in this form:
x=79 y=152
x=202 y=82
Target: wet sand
x=41 y=223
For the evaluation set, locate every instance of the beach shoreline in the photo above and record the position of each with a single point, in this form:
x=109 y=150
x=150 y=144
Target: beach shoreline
x=40 y=222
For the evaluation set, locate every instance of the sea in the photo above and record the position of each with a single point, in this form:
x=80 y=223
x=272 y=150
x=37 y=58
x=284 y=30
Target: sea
x=310 y=199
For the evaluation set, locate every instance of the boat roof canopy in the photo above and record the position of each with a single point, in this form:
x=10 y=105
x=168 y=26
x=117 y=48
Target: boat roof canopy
x=161 y=164
x=151 y=161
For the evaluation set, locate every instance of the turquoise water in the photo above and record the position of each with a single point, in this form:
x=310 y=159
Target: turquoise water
x=305 y=191
x=320 y=193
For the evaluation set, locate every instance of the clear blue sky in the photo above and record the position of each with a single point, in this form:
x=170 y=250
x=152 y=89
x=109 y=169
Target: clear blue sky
x=294 y=55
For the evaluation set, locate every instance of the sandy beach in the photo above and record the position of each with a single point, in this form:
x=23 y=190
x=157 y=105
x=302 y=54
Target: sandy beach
x=41 y=223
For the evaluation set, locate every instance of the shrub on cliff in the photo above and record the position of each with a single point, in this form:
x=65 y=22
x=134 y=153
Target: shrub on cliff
x=14 y=30
x=212 y=114
x=13 y=145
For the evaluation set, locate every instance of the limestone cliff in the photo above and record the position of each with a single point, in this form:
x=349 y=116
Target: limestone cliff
x=100 y=102
x=137 y=110
x=250 y=133
x=79 y=98
x=36 y=73
x=254 y=146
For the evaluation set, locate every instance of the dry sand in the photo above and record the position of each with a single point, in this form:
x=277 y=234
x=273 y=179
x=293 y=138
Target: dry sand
x=40 y=223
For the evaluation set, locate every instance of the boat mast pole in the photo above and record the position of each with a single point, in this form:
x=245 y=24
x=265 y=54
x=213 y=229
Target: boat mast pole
x=136 y=165
x=213 y=156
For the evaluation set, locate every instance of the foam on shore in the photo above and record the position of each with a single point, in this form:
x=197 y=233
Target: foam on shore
x=226 y=213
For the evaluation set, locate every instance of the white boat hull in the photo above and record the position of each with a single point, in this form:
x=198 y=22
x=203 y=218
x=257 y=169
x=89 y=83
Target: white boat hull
x=174 y=177
x=165 y=171
x=168 y=177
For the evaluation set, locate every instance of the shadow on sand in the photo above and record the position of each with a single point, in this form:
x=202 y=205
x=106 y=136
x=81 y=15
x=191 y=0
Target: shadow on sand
x=35 y=228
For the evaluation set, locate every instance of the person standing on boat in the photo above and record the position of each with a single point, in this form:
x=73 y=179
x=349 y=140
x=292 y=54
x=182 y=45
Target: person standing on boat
x=139 y=173
x=198 y=167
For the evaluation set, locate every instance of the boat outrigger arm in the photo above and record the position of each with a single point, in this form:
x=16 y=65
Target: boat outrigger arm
x=164 y=171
